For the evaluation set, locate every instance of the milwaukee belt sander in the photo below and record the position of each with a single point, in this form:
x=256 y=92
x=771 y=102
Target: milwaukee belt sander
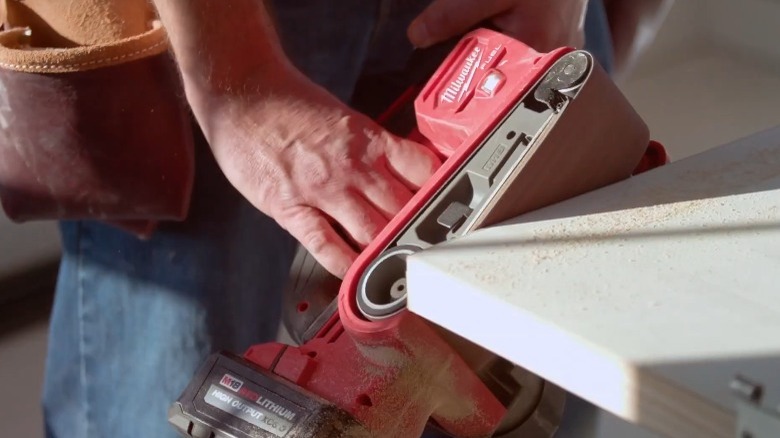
x=517 y=130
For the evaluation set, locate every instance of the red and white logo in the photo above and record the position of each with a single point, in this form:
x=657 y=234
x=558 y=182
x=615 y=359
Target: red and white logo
x=231 y=382
x=460 y=83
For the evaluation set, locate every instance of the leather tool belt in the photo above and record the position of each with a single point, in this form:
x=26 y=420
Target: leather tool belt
x=93 y=121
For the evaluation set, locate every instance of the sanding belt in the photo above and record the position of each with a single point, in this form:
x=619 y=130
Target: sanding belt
x=119 y=42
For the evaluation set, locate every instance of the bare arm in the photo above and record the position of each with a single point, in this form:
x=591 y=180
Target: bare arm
x=326 y=173
x=221 y=46
x=633 y=24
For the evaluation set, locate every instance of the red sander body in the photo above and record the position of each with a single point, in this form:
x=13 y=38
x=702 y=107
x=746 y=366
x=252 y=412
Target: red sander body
x=517 y=130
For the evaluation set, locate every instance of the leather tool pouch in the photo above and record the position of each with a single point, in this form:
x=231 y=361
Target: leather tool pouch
x=93 y=123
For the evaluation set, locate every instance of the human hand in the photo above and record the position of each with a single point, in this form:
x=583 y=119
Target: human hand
x=542 y=24
x=329 y=175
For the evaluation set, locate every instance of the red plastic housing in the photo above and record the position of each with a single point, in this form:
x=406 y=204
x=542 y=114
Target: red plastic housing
x=394 y=374
x=477 y=84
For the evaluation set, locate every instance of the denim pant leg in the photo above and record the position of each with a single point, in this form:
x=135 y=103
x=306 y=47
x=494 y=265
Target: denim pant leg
x=133 y=320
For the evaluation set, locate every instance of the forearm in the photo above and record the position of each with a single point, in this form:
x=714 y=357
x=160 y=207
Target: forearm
x=221 y=47
x=633 y=24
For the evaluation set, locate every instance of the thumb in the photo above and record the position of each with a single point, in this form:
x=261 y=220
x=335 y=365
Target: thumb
x=444 y=19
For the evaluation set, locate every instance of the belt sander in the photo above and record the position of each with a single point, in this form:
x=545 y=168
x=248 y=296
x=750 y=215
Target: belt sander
x=516 y=130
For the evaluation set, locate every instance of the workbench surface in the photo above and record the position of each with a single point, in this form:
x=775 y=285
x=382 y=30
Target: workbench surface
x=645 y=297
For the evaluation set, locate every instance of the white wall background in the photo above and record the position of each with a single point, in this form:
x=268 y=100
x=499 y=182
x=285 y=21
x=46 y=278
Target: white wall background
x=712 y=75
x=22 y=246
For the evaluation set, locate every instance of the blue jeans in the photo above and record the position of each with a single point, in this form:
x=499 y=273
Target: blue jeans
x=133 y=320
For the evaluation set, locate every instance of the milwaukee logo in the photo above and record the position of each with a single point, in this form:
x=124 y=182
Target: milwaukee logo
x=231 y=382
x=454 y=89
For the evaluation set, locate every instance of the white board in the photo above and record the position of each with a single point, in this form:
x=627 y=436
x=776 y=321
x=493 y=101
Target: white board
x=644 y=298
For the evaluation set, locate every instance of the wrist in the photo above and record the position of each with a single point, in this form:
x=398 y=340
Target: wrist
x=208 y=89
x=223 y=49
x=275 y=106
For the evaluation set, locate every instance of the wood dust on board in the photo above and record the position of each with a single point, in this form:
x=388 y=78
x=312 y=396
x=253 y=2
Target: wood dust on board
x=697 y=194
x=565 y=238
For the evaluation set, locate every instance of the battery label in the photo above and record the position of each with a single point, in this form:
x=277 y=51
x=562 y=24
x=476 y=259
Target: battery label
x=263 y=413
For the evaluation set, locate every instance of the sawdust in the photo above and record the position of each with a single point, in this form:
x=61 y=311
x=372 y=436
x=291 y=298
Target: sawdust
x=411 y=388
x=381 y=355
x=332 y=424
x=568 y=236
x=397 y=402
